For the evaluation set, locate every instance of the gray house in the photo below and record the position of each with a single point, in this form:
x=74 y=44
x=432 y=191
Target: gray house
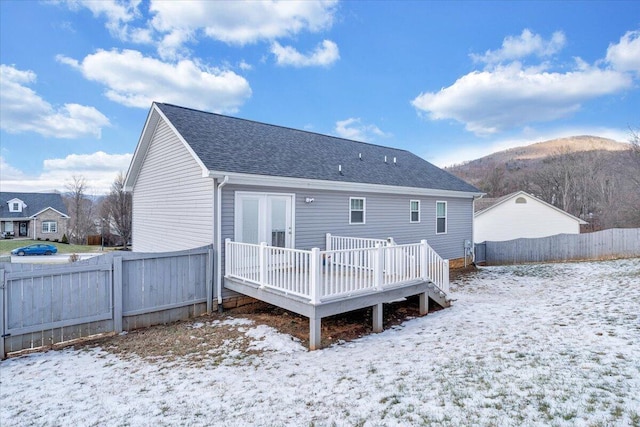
x=199 y=178
x=32 y=215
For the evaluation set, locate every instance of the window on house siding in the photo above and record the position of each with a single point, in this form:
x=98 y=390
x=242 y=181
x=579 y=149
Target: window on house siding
x=414 y=210
x=356 y=210
x=49 y=227
x=441 y=217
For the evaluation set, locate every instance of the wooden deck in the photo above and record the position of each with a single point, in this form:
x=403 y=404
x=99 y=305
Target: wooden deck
x=317 y=284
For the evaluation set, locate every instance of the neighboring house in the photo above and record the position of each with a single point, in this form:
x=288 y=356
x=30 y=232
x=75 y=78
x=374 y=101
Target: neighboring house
x=33 y=215
x=199 y=178
x=519 y=215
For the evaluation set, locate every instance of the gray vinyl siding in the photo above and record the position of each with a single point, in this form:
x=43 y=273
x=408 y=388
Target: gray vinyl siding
x=172 y=202
x=387 y=215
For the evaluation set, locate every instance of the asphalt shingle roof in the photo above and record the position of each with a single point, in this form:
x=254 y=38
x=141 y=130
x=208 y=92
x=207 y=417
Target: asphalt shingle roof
x=229 y=144
x=35 y=203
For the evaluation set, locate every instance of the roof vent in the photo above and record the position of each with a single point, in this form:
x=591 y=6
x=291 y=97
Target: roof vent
x=360 y=156
x=385 y=159
x=394 y=161
x=340 y=169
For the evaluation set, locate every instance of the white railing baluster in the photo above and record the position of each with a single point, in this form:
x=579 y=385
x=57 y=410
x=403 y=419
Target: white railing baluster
x=336 y=273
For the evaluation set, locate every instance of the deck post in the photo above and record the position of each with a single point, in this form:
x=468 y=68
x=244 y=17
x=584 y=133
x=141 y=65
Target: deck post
x=378 y=266
x=314 y=332
x=327 y=244
x=424 y=260
x=445 y=276
x=262 y=263
x=424 y=303
x=377 y=318
x=314 y=271
x=228 y=259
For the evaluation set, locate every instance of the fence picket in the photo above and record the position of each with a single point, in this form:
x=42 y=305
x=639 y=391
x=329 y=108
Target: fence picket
x=611 y=243
x=49 y=304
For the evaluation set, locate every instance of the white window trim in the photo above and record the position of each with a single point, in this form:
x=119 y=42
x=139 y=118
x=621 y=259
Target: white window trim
x=412 y=211
x=15 y=205
x=49 y=223
x=364 y=210
x=446 y=214
x=263 y=200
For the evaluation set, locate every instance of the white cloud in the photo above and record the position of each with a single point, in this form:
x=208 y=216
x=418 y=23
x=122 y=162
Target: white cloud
x=99 y=169
x=508 y=95
x=353 y=128
x=240 y=23
x=625 y=56
x=175 y=23
x=134 y=80
x=23 y=110
x=324 y=55
x=526 y=44
x=117 y=13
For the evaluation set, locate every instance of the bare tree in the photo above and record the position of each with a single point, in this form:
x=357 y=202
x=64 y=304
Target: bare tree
x=635 y=156
x=81 y=210
x=117 y=209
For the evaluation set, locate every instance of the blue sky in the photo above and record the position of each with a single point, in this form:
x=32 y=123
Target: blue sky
x=449 y=81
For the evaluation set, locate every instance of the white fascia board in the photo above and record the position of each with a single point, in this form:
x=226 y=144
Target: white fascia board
x=317 y=184
x=205 y=171
x=47 y=208
x=154 y=116
x=141 y=148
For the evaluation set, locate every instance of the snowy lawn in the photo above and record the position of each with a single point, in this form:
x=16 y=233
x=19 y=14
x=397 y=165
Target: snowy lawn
x=547 y=344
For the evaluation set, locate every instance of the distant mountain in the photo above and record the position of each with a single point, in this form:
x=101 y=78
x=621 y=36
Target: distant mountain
x=531 y=156
x=588 y=176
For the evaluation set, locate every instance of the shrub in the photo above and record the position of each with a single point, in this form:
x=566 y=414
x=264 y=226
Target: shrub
x=39 y=238
x=47 y=239
x=56 y=240
x=65 y=239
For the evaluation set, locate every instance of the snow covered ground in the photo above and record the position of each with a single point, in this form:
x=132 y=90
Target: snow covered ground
x=539 y=345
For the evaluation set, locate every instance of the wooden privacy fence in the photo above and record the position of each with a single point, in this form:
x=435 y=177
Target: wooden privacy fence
x=42 y=305
x=605 y=244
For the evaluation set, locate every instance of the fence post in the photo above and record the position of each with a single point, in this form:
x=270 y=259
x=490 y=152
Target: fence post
x=2 y=311
x=327 y=244
x=262 y=264
x=117 y=294
x=314 y=270
x=209 y=280
x=378 y=266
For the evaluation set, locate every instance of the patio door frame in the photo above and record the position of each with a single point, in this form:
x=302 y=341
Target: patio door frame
x=265 y=205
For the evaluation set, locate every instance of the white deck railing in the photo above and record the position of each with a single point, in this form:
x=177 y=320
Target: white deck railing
x=322 y=275
x=340 y=242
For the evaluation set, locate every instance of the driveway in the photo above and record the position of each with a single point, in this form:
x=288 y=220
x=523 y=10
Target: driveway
x=50 y=259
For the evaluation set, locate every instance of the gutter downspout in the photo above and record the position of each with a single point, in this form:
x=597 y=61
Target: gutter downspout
x=219 y=240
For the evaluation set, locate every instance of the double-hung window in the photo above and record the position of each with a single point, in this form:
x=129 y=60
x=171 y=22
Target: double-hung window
x=441 y=217
x=356 y=210
x=49 y=227
x=414 y=211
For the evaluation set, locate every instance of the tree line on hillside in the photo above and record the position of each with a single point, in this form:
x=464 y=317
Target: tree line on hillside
x=601 y=187
x=108 y=216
